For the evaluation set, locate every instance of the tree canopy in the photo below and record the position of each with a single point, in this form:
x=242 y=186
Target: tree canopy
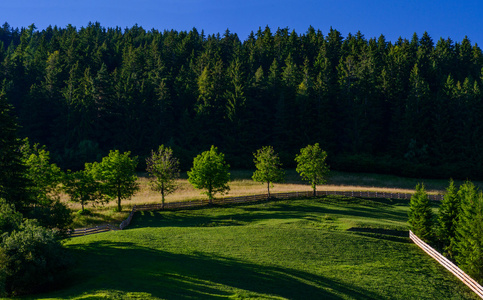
x=420 y=217
x=14 y=184
x=409 y=106
x=468 y=243
x=117 y=174
x=83 y=188
x=311 y=165
x=210 y=173
x=268 y=167
x=163 y=169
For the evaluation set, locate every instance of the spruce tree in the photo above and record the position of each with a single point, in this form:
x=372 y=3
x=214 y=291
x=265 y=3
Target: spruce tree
x=420 y=214
x=448 y=217
x=468 y=242
x=13 y=181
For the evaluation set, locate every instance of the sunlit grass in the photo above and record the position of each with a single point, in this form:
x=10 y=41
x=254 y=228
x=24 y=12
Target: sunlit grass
x=242 y=184
x=325 y=248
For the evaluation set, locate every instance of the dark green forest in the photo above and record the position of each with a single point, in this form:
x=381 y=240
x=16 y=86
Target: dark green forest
x=410 y=107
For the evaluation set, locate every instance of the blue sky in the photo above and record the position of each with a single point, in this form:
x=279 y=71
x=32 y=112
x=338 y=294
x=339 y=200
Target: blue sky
x=393 y=19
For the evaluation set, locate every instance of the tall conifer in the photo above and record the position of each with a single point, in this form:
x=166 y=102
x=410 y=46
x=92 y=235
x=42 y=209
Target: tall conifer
x=448 y=217
x=420 y=214
x=469 y=231
x=13 y=181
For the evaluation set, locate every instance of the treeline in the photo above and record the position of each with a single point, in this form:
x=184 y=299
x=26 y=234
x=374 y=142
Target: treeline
x=410 y=107
x=456 y=229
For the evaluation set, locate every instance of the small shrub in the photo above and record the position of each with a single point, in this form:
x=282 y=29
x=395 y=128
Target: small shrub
x=53 y=215
x=84 y=212
x=10 y=219
x=329 y=218
x=31 y=258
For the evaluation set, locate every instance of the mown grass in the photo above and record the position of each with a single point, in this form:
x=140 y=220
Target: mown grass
x=242 y=184
x=325 y=248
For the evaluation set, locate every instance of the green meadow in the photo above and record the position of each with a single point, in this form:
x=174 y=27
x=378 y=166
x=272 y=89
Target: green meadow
x=325 y=248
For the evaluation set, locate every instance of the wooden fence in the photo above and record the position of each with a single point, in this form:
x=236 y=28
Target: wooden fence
x=254 y=198
x=240 y=199
x=472 y=284
x=92 y=230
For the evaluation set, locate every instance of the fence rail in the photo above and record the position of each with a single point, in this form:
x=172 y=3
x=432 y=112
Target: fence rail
x=92 y=230
x=241 y=199
x=470 y=282
x=254 y=198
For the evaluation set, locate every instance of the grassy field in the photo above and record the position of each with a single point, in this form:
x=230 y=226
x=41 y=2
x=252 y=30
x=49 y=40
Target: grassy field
x=325 y=248
x=242 y=184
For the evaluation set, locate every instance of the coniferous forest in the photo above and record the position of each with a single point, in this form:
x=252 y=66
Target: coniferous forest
x=411 y=107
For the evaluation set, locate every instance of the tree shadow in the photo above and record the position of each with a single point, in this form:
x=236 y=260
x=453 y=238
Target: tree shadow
x=393 y=235
x=249 y=213
x=129 y=268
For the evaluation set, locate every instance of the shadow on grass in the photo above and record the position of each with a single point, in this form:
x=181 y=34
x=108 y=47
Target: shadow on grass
x=242 y=214
x=128 y=268
x=392 y=235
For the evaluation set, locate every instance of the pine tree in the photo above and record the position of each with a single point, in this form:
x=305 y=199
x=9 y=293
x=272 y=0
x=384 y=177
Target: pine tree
x=13 y=181
x=448 y=217
x=468 y=243
x=420 y=214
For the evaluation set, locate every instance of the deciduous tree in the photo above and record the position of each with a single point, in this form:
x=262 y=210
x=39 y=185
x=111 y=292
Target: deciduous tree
x=44 y=176
x=82 y=188
x=163 y=168
x=311 y=165
x=269 y=167
x=31 y=258
x=210 y=172
x=117 y=174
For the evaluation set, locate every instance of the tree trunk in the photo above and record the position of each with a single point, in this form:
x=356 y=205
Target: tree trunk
x=162 y=195
x=210 y=195
x=119 y=200
x=268 y=188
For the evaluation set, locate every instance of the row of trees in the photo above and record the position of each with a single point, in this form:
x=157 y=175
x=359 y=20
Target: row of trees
x=210 y=171
x=410 y=106
x=457 y=229
x=33 y=184
x=32 y=218
x=115 y=177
